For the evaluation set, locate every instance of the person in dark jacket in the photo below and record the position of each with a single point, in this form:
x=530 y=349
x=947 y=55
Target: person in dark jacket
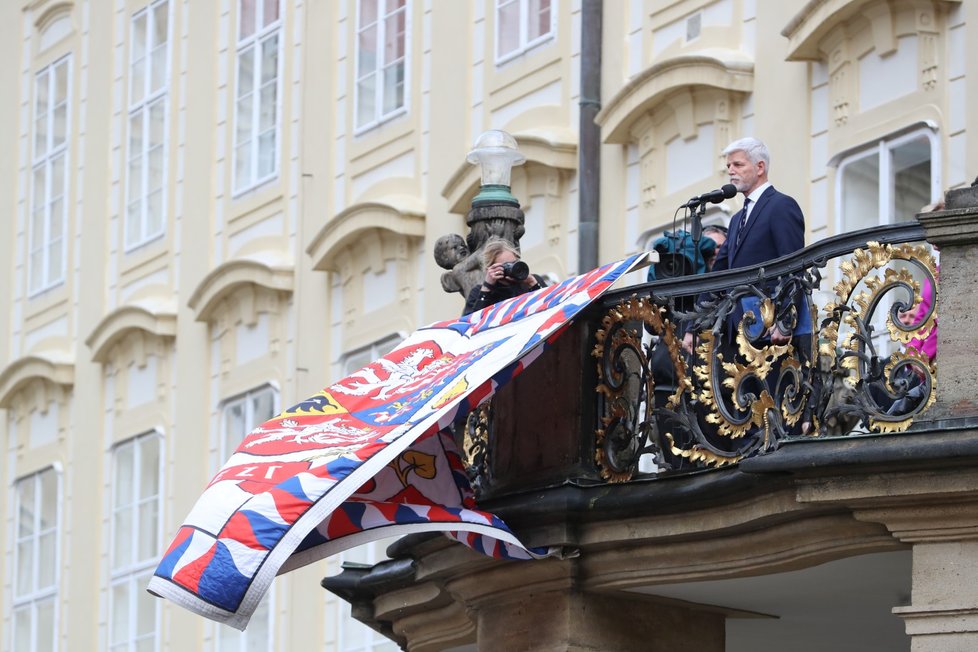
x=503 y=280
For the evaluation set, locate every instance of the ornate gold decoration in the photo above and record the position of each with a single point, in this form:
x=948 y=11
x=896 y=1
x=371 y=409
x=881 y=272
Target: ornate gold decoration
x=625 y=381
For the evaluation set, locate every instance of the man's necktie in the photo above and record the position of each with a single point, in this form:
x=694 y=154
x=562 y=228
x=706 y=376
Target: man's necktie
x=743 y=223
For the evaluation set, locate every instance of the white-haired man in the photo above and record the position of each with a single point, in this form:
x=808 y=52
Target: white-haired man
x=770 y=224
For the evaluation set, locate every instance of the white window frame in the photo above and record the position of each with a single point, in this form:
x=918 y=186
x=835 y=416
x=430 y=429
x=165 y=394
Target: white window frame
x=40 y=243
x=882 y=148
x=223 y=633
x=255 y=41
x=32 y=599
x=525 y=44
x=150 y=99
x=379 y=116
x=134 y=574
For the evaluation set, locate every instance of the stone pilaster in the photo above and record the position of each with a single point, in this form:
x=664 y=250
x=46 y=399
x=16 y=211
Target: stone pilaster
x=955 y=231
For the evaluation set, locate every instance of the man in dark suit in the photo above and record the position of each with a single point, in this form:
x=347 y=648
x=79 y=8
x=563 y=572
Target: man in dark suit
x=770 y=224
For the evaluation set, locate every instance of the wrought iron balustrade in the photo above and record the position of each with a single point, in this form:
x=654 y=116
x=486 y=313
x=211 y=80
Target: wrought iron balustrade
x=737 y=393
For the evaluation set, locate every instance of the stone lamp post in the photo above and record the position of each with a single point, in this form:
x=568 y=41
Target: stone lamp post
x=495 y=212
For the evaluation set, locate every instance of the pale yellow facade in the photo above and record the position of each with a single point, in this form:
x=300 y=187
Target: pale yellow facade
x=205 y=215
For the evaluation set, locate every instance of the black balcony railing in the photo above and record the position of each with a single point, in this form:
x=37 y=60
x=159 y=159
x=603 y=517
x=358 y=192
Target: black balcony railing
x=739 y=394
x=846 y=369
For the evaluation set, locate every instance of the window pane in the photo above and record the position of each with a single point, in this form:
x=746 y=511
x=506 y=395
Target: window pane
x=122 y=538
x=59 y=126
x=57 y=180
x=145 y=608
x=46 y=629
x=61 y=83
x=136 y=181
x=25 y=568
x=271 y=12
x=42 y=88
x=508 y=27
x=242 y=166
x=39 y=191
x=263 y=408
x=137 y=82
x=148 y=520
x=235 y=426
x=269 y=60
x=47 y=560
x=258 y=628
x=860 y=193
x=160 y=24
x=37 y=269
x=394 y=4
x=246 y=17
x=49 y=499
x=911 y=186
x=26 y=499
x=157 y=122
x=136 y=143
x=154 y=213
x=55 y=258
x=124 y=472
x=266 y=112
x=246 y=71
x=22 y=628
x=245 y=120
x=539 y=17
x=366 y=100
x=134 y=230
x=155 y=168
x=393 y=87
x=368 y=12
x=149 y=463
x=266 y=154
x=394 y=37
x=138 y=38
x=119 y=610
x=367 y=52
x=158 y=69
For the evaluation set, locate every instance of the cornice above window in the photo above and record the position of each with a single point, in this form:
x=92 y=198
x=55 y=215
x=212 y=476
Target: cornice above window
x=730 y=70
x=55 y=368
x=159 y=321
x=267 y=271
x=818 y=18
x=347 y=226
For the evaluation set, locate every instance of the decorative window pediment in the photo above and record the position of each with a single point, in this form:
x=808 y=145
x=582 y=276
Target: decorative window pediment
x=54 y=23
x=266 y=271
x=55 y=369
x=159 y=320
x=728 y=70
x=351 y=224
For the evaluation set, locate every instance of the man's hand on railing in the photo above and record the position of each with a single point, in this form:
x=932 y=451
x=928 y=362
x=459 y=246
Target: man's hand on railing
x=688 y=342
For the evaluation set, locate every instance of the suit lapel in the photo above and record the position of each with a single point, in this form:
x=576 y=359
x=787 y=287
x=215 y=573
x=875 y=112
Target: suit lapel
x=755 y=214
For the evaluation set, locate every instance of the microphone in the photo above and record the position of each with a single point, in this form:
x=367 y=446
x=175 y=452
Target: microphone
x=713 y=197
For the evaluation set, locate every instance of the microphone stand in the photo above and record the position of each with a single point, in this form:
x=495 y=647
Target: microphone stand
x=696 y=231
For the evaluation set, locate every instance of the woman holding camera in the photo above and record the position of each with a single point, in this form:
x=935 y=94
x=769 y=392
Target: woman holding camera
x=506 y=277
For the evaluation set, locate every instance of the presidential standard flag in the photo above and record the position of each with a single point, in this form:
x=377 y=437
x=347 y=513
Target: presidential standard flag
x=367 y=458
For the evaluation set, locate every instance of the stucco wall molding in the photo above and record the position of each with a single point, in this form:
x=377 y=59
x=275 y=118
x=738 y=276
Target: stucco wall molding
x=58 y=369
x=161 y=322
x=810 y=26
x=269 y=272
x=352 y=223
x=725 y=69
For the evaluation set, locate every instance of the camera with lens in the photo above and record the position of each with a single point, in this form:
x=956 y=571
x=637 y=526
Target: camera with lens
x=516 y=270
